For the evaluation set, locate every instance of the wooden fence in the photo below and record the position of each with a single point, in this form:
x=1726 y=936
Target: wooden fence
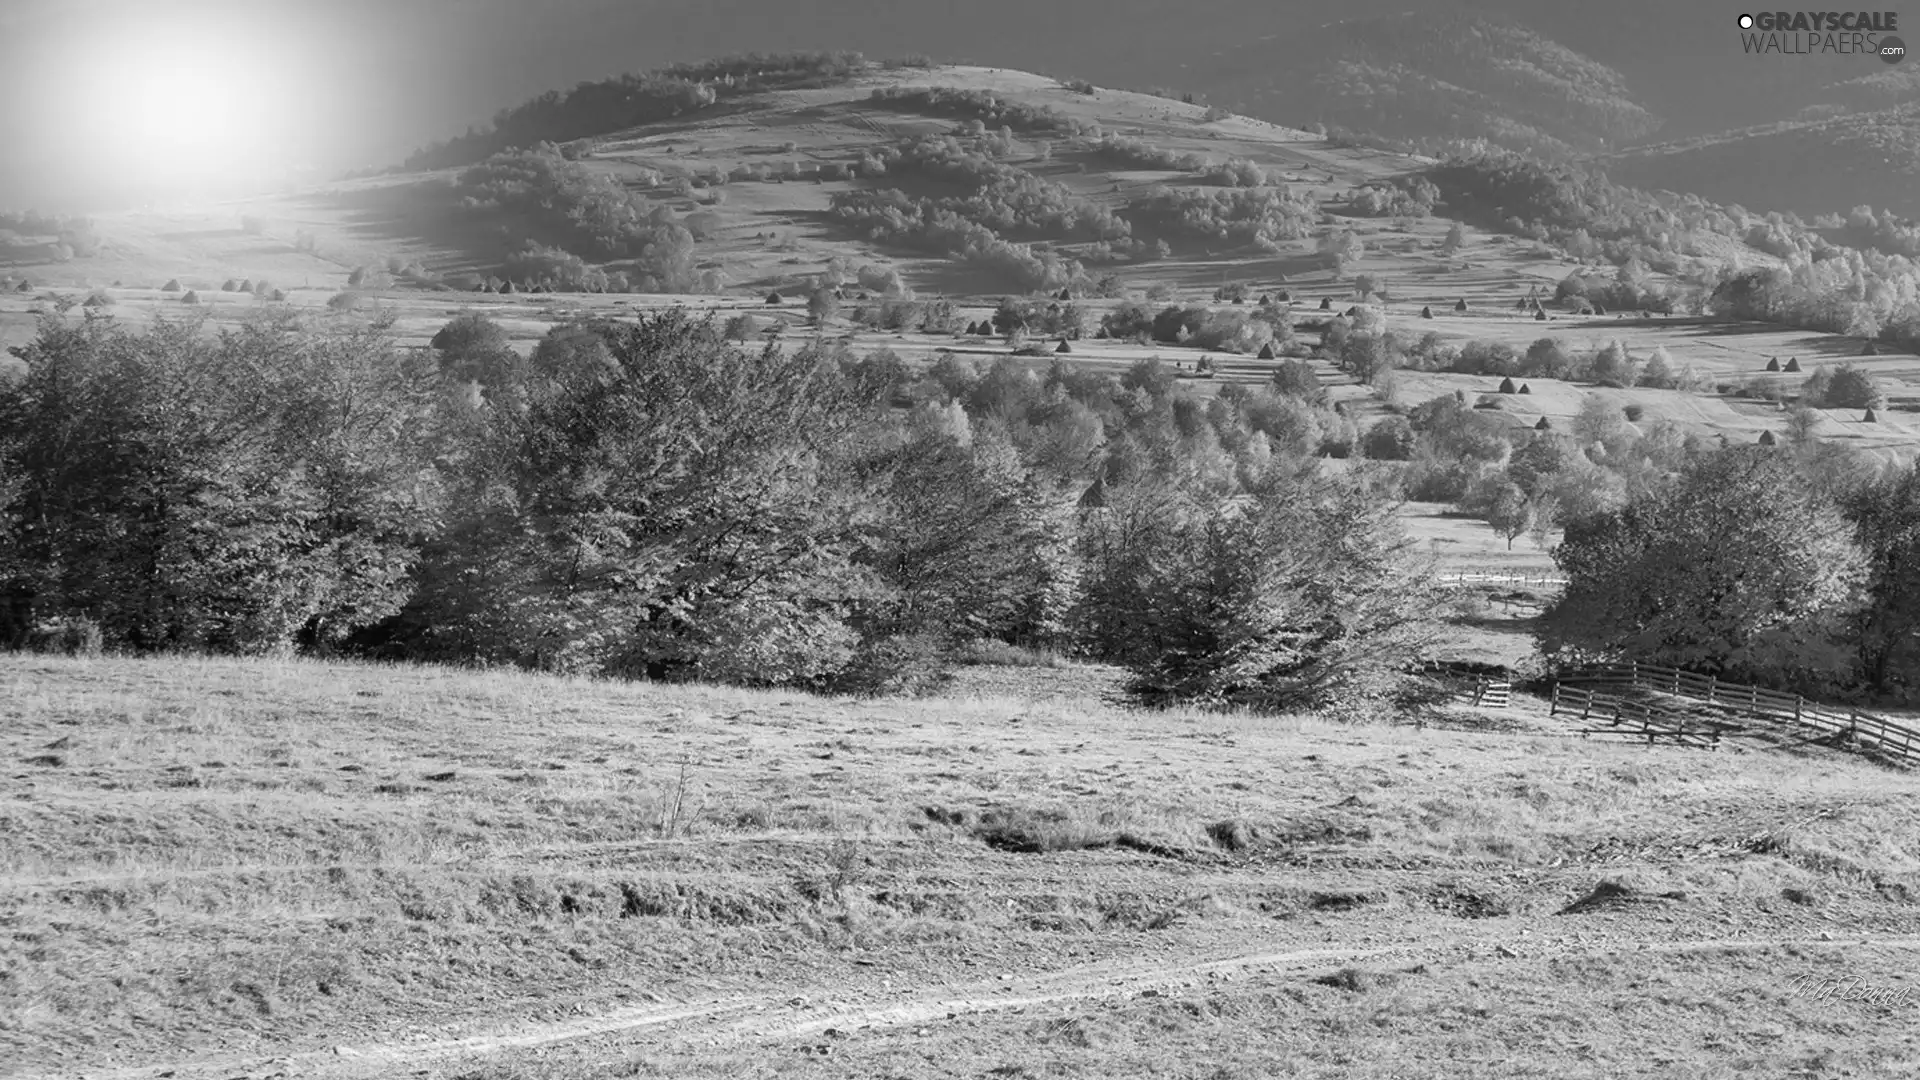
x=1638 y=719
x=1891 y=738
x=1492 y=694
x=1545 y=581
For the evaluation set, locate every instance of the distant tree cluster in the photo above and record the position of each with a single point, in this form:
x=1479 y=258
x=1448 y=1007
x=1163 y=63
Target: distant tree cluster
x=1751 y=563
x=595 y=108
x=981 y=105
x=1140 y=154
x=578 y=211
x=1263 y=217
x=1233 y=330
x=648 y=500
x=1001 y=198
x=1412 y=197
x=75 y=237
x=1236 y=172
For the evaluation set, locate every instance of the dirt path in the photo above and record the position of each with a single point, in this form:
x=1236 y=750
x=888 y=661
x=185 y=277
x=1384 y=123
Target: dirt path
x=797 y=1015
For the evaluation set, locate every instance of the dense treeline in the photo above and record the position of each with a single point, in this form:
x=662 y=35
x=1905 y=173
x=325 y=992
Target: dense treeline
x=980 y=105
x=1264 y=217
x=1817 y=284
x=647 y=499
x=1437 y=78
x=596 y=108
x=538 y=193
x=1761 y=563
x=994 y=198
x=75 y=236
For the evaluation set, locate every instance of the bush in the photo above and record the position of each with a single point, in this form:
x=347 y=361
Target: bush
x=1738 y=568
x=1390 y=439
x=1849 y=387
x=1296 y=378
x=1296 y=597
x=344 y=301
x=555 y=268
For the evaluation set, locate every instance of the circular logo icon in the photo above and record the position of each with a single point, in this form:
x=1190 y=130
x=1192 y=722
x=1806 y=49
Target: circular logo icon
x=1746 y=22
x=1892 y=50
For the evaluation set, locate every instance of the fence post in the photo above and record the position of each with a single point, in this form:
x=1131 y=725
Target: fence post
x=1799 y=704
x=1554 y=709
x=1712 y=681
x=1676 y=682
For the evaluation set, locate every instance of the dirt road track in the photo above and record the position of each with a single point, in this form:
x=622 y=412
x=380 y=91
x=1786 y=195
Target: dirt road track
x=787 y=1015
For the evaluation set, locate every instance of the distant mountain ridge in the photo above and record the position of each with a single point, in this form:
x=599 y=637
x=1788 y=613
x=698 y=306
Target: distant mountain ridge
x=1434 y=77
x=1808 y=167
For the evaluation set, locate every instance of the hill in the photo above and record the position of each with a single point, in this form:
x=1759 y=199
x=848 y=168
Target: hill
x=226 y=868
x=1809 y=167
x=963 y=182
x=1435 y=77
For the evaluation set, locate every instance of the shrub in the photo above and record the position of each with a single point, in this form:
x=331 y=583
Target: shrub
x=344 y=301
x=1740 y=568
x=558 y=269
x=1301 y=594
x=1296 y=378
x=1390 y=439
x=1850 y=388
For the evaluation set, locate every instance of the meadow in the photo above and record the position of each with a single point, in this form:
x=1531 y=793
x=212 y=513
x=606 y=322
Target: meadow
x=226 y=867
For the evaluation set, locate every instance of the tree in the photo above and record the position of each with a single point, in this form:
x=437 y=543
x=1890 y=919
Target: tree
x=1736 y=568
x=1600 y=424
x=1340 y=248
x=1533 y=466
x=1801 y=422
x=471 y=346
x=1304 y=593
x=1297 y=378
x=1390 y=439
x=1886 y=517
x=1851 y=388
x=1455 y=240
x=822 y=305
x=1508 y=510
x=1659 y=372
x=691 y=510
x=1613 y=366
x=276 y=499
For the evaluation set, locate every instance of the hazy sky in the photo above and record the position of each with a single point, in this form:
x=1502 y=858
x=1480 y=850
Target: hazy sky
x=103 y=94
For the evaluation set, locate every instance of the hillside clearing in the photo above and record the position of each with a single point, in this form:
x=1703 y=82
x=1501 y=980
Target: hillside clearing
x=213 y=864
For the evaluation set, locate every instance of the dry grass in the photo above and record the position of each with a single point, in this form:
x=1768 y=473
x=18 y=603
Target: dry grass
x=253 y=856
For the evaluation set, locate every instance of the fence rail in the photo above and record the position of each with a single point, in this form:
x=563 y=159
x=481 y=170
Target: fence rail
x=1637 y=719
x=1466 y=578
x=1890 y=737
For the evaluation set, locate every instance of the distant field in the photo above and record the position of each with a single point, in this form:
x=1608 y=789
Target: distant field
x=777 y=235
x=224 y=868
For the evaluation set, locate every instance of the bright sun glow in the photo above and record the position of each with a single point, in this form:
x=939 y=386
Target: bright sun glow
x=188 y=101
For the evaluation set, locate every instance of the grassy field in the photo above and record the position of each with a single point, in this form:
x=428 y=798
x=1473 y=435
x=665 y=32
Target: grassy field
x=226 y=868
